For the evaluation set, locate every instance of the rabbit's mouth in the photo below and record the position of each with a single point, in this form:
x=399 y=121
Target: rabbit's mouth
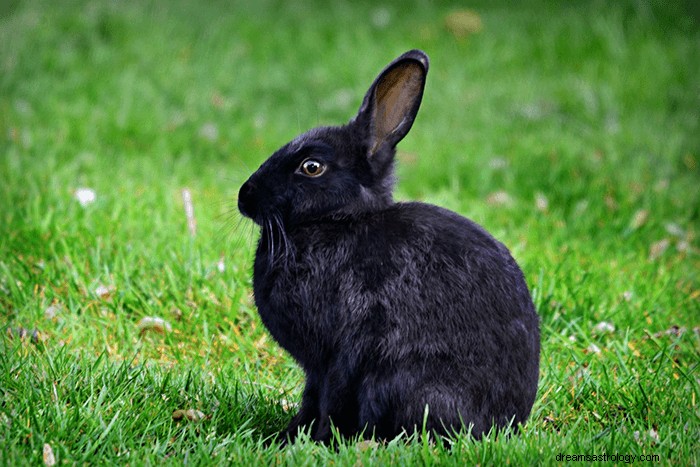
x=254 y=203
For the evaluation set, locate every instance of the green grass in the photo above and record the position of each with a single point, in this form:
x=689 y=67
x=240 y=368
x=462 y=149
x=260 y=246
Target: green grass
x=570 y=131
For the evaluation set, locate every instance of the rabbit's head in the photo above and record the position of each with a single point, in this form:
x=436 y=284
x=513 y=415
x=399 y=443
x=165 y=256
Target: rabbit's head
x=346 y=170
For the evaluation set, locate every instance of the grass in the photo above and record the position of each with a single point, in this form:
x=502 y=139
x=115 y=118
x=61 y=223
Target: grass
x=569 y=130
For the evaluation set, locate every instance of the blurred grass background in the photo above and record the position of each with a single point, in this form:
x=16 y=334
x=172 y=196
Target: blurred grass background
x=570 y=130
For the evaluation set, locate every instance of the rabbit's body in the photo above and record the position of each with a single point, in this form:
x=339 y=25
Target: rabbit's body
x=389 y=334
x=399 y=313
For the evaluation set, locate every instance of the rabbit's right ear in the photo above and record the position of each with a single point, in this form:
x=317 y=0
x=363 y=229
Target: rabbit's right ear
x=391 y=104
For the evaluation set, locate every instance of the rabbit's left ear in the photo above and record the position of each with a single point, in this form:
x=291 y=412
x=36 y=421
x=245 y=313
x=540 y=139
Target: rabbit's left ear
x=391 y=104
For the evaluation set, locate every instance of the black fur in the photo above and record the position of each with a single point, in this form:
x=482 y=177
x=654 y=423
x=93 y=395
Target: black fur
x=399 y=313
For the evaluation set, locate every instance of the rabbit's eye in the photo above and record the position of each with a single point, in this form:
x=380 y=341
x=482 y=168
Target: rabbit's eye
x=312 y=168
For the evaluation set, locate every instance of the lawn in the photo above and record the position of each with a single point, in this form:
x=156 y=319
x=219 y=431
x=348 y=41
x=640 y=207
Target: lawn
x=570 y=130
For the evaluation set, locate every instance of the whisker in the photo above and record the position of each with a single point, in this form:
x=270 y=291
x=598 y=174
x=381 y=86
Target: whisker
x=266 y=236
x=283 y=237
x=278 y=238
x=231 y=229
x=271 y=241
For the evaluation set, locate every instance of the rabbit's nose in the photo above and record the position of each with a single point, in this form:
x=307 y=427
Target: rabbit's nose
x=247 y=202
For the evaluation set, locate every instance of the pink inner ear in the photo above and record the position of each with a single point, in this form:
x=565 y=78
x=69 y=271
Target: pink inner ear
x=395 y=98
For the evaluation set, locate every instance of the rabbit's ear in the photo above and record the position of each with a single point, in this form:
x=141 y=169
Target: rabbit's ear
x=391 y=104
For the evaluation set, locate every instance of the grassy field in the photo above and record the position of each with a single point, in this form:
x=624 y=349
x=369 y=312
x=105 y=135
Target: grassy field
x=570 y=131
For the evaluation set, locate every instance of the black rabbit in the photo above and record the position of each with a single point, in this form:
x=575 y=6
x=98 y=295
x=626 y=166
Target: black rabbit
x=402 y=315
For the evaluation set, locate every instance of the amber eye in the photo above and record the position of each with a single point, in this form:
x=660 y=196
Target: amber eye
x=312 y=168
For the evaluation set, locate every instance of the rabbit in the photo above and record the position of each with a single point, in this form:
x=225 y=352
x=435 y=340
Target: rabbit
x=404 y=316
